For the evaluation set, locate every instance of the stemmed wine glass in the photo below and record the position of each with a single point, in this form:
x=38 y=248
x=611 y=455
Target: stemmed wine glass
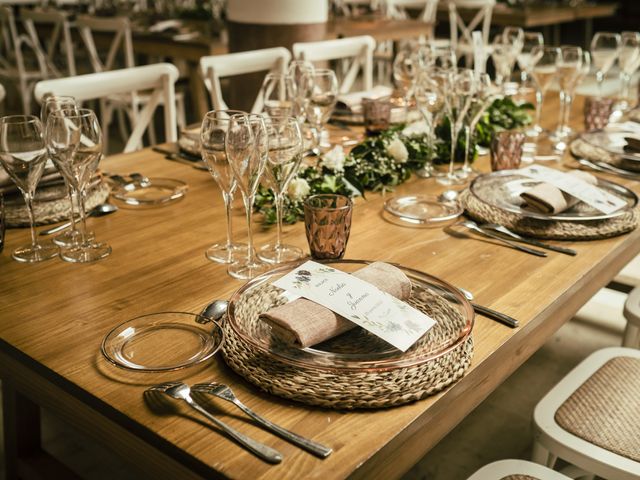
x=23 y=156
x=569 y=67
x=285 y=155
x=74 y=141
x=321 y=100
x=605 y=47
x=429 y=100
x=501 y=55
x=51 y=104
x=514 y=38
x=247 y=149
x=629 y=61
x=529 y=41
x=213 y=134
x=405 y=72
x=543 y=70
x=300 y=72
x=278 y=94
x=444 y=57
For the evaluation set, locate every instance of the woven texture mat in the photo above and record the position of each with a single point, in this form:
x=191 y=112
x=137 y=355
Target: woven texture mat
x=349 y=388
x=519 y=477
x=587 y=230
x=605 y=410
x=51 y=205
x=581 y=149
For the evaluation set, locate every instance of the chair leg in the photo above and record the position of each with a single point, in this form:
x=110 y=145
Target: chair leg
x=542 y=456
x=182 y=116
x=573 y=471
x=631 y=337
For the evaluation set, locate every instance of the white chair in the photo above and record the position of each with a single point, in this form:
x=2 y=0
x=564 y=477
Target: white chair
x=20 y=60
x=215 y=67
x=591 y=418
x=3 y=93
x=359 y=50
x=351 y=8
x=159 y=77
x=461 y=32
x=397 y=9
x=507 y=469
x=59 y=39
x=631 y=337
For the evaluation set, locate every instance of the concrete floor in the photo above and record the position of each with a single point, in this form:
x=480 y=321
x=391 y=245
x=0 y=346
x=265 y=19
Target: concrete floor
x=499 y=428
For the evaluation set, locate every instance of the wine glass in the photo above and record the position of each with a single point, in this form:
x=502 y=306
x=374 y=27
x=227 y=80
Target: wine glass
x=405 y=70
x=23 y=156
x=514 y=38
x=321 y=99
x=444 y=57
x=569 y=67
x=543 y=71
x=74 y=141
x=278 y=94
x=297 y=71
x=54 y=103
x=213 y=133
x=247 y=149
x=285 y=155
x=629 y=61
x=529 y=41
x=429 y=100
x=605 y=47
x=500 y=54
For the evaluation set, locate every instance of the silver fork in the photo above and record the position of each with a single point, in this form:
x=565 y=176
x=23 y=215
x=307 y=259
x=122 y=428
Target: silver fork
x=474 y=226
x=181 y=391
x=225 y=393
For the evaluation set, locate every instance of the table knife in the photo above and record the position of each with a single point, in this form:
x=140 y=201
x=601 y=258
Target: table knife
x=530 y=241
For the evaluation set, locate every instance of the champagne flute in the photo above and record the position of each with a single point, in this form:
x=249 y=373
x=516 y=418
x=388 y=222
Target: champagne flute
x=629 y=61
x=500 y=52
x=51 y=104
x=300 y=72
x=23 y=156
x=514 y=38
x=213 y=132
x=524 y=58
x=285 y=155
x=605 y=47
x=429 y=100
x=247 y=149
x=405 y=70
x=543 y=71
x=278 y=94
x=569 y=67
x=321 y=99
x=74 y=141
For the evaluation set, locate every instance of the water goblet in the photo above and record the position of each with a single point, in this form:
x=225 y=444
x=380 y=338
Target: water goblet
x=605 y=47
x=430 y=101
x=321 y=100
x=23 y=156
x=247 y=149
x=569 y=67
x=629 y=61
x=285 y=155
x=278 y=94
x=543 y=71
x=213 y=133
x=74 y=142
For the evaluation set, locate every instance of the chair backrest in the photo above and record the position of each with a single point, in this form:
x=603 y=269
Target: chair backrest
x=215 y=67
x=12 y=43
x=397 y=9
x=159 y=77
x=482 y=16
x=3 y=93
x=121 y=29
x=359 y=49
x=350 y=8
x=60 y=36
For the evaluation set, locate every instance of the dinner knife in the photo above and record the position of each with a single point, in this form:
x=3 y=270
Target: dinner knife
x=180 y=158
x=530 y=241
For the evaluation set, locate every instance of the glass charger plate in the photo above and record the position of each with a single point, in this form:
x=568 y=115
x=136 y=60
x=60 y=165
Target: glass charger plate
x=155 y=191
x=502 y=190
x=162 y=341
x=357 y=349
x=421 y=210
x=612 y=142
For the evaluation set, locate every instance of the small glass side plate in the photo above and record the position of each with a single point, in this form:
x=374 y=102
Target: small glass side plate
x=164 y=341
x=421 y=210
x=155 y=191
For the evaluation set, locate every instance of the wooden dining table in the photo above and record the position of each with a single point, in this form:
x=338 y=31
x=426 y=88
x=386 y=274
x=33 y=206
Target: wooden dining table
x=54 y=316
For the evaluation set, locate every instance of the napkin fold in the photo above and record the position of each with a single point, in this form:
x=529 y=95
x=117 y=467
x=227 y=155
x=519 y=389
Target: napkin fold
x=353 y=101
x=305 y=323
x=549 y=199
x=633 y=144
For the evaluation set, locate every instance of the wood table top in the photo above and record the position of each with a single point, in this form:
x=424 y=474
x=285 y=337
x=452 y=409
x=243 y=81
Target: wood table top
x=55 y=315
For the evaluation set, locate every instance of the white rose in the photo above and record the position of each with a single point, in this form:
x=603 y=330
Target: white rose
x=298 y=189
x=334 y=159
x=397 y=150
x=415 y=129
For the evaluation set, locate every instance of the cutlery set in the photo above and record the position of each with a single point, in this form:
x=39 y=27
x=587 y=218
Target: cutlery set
x=181 y=157
x=181 y=391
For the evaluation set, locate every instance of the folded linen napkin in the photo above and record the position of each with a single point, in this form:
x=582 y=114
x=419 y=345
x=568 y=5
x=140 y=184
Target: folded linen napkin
x=305 y=323
x=353 y=101
x=549 y=199
x=633 y=145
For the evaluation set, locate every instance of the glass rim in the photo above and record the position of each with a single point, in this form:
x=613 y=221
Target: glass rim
x=228 y=111
x=18 y=119
x=307 y=201
x=58 y=98
x=81 y=112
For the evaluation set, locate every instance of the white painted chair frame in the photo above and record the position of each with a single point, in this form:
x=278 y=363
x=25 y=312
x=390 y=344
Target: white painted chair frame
x=3 y=94
x=552 y=442
x=215 y=67
x=159 y=77
x=358 y=49
x=506 y=468
x=397 y=9
x=460 y=32
x=631 y=337
x=348 y=7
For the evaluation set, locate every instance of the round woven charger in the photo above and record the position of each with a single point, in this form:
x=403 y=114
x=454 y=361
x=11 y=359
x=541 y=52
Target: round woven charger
x=351 y=388
x=549 y=229
x=582 y=149
x=51 y=205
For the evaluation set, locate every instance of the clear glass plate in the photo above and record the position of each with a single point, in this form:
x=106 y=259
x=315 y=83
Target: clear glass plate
x=422 y=209
x=612 y=142
x=356 y=349
x=155 y=191
x=502 y=190
x=164 y=341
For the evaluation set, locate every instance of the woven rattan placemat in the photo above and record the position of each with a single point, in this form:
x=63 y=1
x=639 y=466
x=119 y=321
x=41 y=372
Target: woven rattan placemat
x=605 y=410
x=519 y=477
x=581 y=149
x=350 y=388
x=555 y=230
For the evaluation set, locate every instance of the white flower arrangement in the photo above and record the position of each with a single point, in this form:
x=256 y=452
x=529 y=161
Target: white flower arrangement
x=334 y=159
x=397 y=150
x=298 y=189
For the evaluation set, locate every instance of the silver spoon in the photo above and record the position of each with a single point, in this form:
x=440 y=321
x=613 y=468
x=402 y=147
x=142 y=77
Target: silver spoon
x=98 y=211
x=214 y=311
x=181 y=391
x=448 y=196
x=489 y=312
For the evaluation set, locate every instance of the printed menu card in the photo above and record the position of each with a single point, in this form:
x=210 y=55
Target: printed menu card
x=385 y=316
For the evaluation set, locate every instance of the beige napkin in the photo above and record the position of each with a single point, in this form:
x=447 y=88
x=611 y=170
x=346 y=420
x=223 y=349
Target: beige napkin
x=305 y=323
x=546 y=198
